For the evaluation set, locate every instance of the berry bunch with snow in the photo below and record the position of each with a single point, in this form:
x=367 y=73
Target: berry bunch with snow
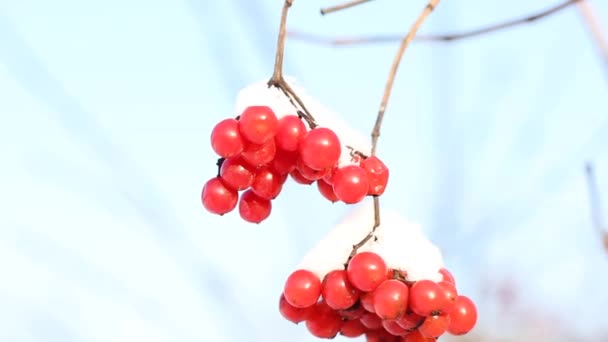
x=393 y=288
x=268 y=142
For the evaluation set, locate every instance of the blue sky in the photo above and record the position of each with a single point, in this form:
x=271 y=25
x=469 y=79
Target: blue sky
x=106 y=109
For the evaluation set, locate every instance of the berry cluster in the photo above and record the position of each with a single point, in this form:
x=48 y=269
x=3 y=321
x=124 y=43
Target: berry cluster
x=368 y=298
x=259 y=150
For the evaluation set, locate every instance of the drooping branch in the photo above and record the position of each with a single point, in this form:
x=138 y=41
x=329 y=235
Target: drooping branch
x=346 y=5
x=444 y=37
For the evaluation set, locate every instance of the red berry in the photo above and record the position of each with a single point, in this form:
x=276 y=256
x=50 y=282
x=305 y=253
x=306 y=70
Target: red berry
x=350 y=184
x=380 y=335
x=236 y=173
x=367 y=301
x=298 y=178
x=284 y=161
x=434 y=326
x=259 y=155
x=354 y=312
x=290 y=132
x=410 y=320
x=320 y=148
x=352 y=328
x=253 y=208
x=291 y=313
x=393 y=328
x=447 y=276
x=258 y=124
x=226 y=140
x=390 y=299
x=337 y=292
x=366 y=270
x=450 y=294
x=309 y=173
x=416 y=336
x=267 y=184
x=463 y=317
x=217 y=198
x=327 y=191
x=302 y=289
x=324 y=322
x=371 y=321
x=426 y=298
x=329 y=177
x=377 y=174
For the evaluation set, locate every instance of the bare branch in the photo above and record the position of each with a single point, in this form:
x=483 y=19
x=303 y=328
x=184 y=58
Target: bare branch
x=446 y=37
x=277 y=80
x=593 y=25
x=346 y=5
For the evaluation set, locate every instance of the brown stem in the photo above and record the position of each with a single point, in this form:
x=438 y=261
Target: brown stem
x=277 y=80
x=343 y=6
x=446 y=37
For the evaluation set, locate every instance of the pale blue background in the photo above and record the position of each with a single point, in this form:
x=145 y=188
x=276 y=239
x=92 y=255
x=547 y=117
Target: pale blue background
x=105 y=112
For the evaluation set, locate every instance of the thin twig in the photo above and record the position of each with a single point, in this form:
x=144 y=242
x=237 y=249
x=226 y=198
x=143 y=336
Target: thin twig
x=343 y=6
x=277 y=80
x=594 y=201
x=383 y=104
x=593 y=25
x=446 y=37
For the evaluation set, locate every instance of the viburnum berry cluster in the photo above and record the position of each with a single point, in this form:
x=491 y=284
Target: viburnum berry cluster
x=260 y=149
x=382 y=292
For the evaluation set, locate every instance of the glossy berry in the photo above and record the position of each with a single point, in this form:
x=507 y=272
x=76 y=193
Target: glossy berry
x=298 y=178
x=236 y=173
x=447 y=276
x=353 y=328
x=217 y=198
x=253 y=208
x=366 y=270
x=463 y=316
x=302 y=289
x=320 y=148
x=327 y=191
x=226 y=140
x=310 y=173
x=324 y=322
x=393 y=328
x=284 y=161
x=371 y=321
x=337 y=291
x=450 y=294
x=258 y=124
x=377 y=175
x=367 y=301
x=259 y=155
x=416 y=336
x=434 y=326
x=391 y=299
x=350 y=184
x=267 y=184
x=290 y=132
x=291 y=313
x=410 y=320
x=426 y=298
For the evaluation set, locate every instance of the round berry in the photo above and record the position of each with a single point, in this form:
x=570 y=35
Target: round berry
x=371 y=321
x=290 y=132
x=327 y=191
x=236 y=173
x=463 y=316
x=377 y=175
x=391 y=299
x=393 y=328
x=267 y=184
x=218 y=198
x=352 y=328
x=410 y=320
x=426 y=298
x=324 y=322
x=447 y=276
x=434 y=326
x=416 y=336
x=259 y=155
x=253 y=208
x=291 y=313
x=226 y=140
x=337 y=291
x=284 y=161
x=302 y=289
x=320 y=148
x=366 y=270
x=298 y=178
x=350 y=184
x=450 y=294
x=258 y=124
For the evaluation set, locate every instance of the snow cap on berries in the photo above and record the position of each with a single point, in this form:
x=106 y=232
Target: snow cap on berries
x=401 y=243
x=259 y=94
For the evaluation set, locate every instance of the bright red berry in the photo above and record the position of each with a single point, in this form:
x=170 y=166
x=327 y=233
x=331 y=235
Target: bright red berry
x=236 y=173
x=350 y=184
x=354 y=312
x=218 y=198
x=416 y=336
x=320 y=148
x=371 y=321
x=290 y=132
x=391 y=299
x=367 y=301
x=267 y=184
x=447 y=276
x=284 y=161
x=366 y=270
x=226 y=140
x=258 y=124
x=253 y=208
x=298 y=178
x=393 y=328
x=377 y=175
x=463 y=316
x=450 y=294
x=352 y=328
x=410 y=320
x=259 y=155
x=426 y=298
x=310 y=173
x=302 y=288
x=324 y=322
x=291 y=313
x=337 y=291
x=434 y=326
x=327 y=191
